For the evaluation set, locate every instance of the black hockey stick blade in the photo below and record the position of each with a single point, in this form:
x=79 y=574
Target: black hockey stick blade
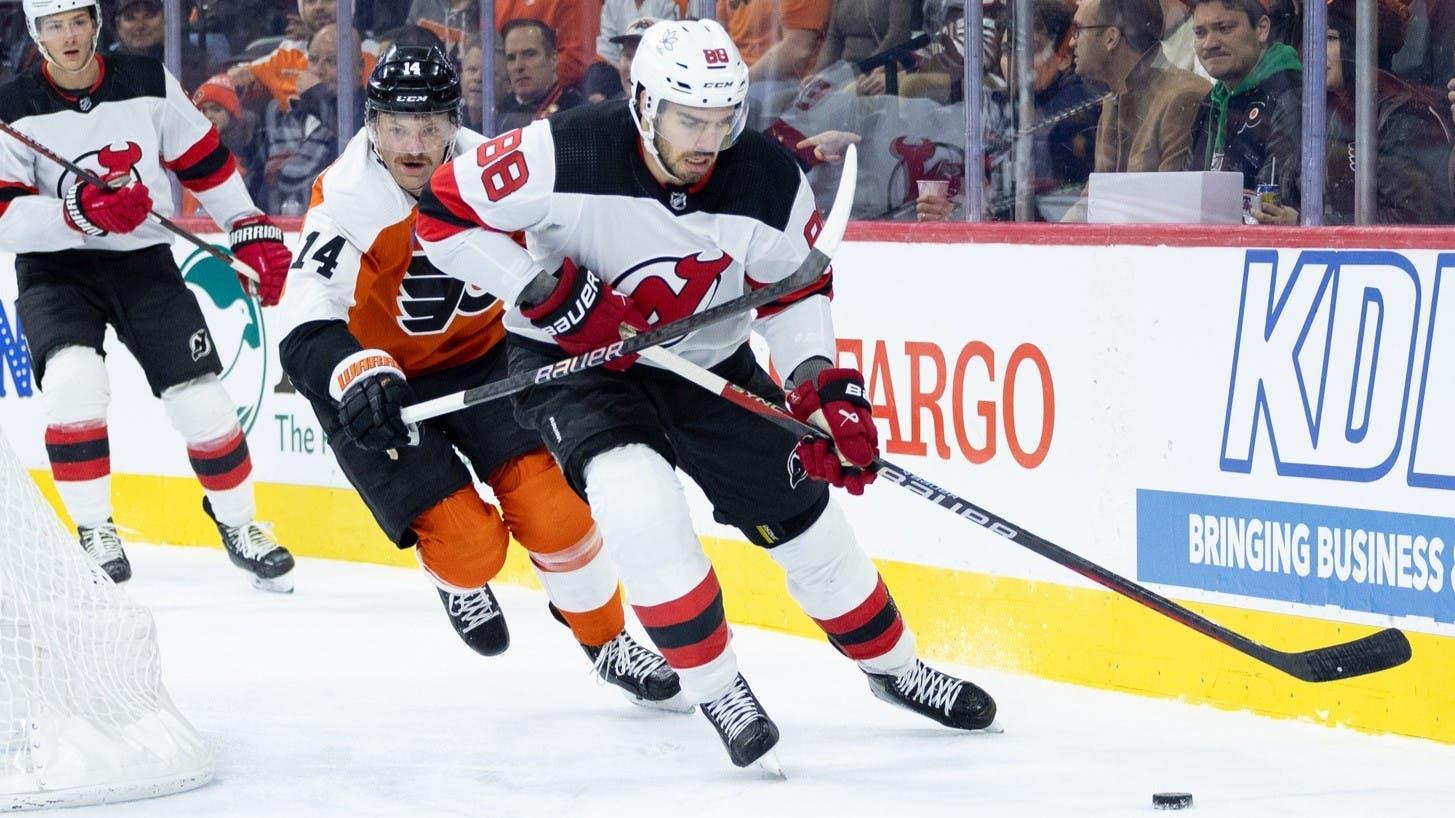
x=809 y=271
x=1369 y=654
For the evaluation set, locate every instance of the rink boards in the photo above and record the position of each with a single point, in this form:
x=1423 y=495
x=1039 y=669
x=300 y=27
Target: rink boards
x=1266 y=432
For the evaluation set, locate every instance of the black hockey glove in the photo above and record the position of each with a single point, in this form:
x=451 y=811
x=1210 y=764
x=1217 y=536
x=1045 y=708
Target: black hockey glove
x=371 y=392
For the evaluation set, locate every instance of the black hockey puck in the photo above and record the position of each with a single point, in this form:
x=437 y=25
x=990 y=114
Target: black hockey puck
x=1172 y=800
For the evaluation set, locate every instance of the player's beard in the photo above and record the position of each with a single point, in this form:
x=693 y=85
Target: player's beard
x=674 y=161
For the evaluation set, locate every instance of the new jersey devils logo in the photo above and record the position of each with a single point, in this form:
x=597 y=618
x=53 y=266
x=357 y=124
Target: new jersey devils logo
x=665 y=295
x=117 y=161
x=917 y=157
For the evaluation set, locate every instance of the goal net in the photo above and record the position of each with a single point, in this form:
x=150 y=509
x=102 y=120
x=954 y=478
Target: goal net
x=84 y=718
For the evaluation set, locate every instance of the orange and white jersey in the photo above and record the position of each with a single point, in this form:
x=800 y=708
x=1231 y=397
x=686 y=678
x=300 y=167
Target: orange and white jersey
x=359 y=262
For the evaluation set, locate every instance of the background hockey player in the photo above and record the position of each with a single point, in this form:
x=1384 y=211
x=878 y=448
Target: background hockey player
x=87 y=257
x=680 y=210
x=373 y=324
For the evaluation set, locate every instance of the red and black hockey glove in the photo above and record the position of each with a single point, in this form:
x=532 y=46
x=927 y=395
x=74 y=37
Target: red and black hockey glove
x=584 y=313
x=97 y=211
x=836 y=402
x=372 y=393
x=258 y=243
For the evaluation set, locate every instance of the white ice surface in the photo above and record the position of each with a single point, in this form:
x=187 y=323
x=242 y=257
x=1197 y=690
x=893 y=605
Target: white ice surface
x=354 y=698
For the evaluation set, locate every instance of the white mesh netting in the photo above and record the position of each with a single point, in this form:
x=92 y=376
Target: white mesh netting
x=83 y=714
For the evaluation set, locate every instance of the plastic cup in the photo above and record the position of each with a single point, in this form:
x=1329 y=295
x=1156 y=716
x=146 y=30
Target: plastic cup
x=934 y=187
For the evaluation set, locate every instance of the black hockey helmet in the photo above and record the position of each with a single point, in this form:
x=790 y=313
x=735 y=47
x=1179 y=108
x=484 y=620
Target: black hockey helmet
x=414 y=79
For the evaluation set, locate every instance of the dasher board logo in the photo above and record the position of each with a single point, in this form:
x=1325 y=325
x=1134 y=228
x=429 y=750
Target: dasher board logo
x=1343 y=365
x=235 y=324
x=1342 y=370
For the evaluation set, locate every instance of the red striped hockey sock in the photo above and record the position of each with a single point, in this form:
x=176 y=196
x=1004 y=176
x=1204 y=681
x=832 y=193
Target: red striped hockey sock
x=80 y=456
x=225 y=471
x=868 y=631
x=691 y=630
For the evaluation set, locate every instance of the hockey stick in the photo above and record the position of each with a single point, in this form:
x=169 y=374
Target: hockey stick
x=1370 y=654
x=819 y=257
x=90 y=178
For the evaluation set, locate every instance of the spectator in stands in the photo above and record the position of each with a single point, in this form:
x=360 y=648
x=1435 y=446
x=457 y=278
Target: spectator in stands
x=574 y=23
x=862 y=29
x=278 y=72
x=617 y=19
x=217 y=101
x=472 y=85
x=1146 y=123
x=299 y=142
x=536 y=91
x=1251 y=121
x=779 y=39
x=141 y=29
x=621 y=68
x=1413 y=138
x=1067 y=110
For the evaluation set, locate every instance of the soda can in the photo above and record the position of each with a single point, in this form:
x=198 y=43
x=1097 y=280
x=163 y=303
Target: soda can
x=1268 y=193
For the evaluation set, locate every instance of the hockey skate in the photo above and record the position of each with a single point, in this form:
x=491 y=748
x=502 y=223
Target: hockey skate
x=950 y=701
x=477 y=618
x=744 y=727
x=104 y=546
x=644 y=677
x=252 y=548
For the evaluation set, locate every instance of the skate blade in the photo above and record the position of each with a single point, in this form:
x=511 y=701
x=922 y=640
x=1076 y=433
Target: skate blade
x=676 y=704
x=275 y=585
x=770 y=763
x=995 y=728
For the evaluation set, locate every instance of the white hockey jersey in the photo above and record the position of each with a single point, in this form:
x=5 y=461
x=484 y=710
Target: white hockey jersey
x=135 y=119
x=578 y=186
x=359 y=263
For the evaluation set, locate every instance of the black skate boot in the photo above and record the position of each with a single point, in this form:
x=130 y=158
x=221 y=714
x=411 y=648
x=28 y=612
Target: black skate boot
x=104 y=546
x=950 y=701
x=744 y=727
x=477 y=618
x=643 y=676
x=252 y=548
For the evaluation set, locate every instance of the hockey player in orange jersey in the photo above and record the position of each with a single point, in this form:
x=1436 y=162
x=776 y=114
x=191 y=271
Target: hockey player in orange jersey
x=371 y=326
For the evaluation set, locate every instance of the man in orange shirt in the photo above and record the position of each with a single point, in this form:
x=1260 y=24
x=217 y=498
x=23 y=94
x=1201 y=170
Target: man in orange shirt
x=278 y=73
x=779 y=39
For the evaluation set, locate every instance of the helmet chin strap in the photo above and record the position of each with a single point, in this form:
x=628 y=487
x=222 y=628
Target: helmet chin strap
x=90 y=58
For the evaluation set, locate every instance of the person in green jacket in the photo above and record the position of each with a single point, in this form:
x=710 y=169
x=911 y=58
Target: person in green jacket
x=1251 y=120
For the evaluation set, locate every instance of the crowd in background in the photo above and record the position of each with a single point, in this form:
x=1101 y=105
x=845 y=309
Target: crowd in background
x=1116 y=86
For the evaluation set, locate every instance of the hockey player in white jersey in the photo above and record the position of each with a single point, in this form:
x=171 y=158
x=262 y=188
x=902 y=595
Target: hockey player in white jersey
x=87 y=258
x=369 y=324
x=677 y=210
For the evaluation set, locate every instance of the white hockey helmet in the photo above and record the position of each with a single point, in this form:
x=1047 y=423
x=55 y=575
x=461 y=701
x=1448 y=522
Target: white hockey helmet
x=692 y=63
x=36 y=9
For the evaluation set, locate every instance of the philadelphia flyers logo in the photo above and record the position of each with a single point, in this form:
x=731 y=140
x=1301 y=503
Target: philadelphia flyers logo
x=429 y=300
x=117 y=161
x=666 y=289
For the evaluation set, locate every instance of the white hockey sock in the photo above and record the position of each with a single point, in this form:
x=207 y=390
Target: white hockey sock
x=836 y=584
x=641 y=510
x=580 y=578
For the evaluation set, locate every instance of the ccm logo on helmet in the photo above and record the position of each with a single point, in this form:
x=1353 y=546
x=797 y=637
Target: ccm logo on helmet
x=718 y=84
